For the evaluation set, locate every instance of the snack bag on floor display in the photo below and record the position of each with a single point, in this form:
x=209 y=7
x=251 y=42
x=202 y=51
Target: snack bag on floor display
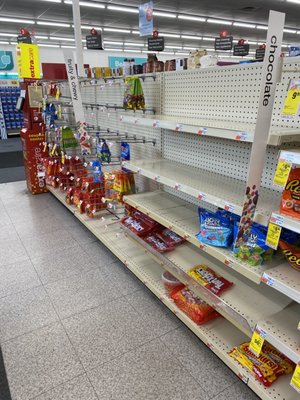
x=208 y=278
x=195 y=308
x=134 y=95
x=68 y=139
x=290 y=200
x=215 y=229
x=254 y=251
x=291 y=253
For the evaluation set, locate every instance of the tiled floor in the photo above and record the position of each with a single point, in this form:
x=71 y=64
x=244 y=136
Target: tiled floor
x=76 y=325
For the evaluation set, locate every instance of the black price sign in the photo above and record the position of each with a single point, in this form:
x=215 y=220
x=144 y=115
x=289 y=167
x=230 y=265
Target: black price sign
x=24 y=39
x=94 y=42
x=224 y=43
x=241 y=50
x=156 y=44
x=260 y=54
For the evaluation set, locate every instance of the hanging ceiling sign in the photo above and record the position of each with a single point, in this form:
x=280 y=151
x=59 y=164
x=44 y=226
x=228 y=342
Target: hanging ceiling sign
x=260 y=53
x=28 y=61
x=146 y=19
x=6 y=60
x=224 y=43
x=94 y=40
x=24 y=36
x=156 y=44
x=241 y=49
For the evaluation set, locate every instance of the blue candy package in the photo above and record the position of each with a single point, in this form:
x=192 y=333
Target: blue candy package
x=254 y=251
x=125 y=151
x=215 y=229
x=97 y=171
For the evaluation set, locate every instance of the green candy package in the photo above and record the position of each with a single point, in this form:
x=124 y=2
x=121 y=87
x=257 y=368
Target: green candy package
x=68 y=139
x=134 y=96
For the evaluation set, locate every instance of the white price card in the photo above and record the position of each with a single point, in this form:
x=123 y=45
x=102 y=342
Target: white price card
x=202 y=131
x=201 y=196
x=156 y=124
x=242 y=136
x=157 y=178
x=267 y=280
x=179 y=128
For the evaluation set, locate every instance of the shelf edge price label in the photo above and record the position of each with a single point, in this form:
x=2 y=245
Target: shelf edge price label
x=229 y=207
x=229 y=263
x=273 y=235
x=202 y=131
x=177 y=186
x=282 y=173
x=121 y=118
x=179 y=128
x=277 y=219
x=242 y=136
x=156 y=124
x=267 y=280
x=295 y=381
x=257 y=341
x=157 y=178
x=201 y=196
x=136 y=120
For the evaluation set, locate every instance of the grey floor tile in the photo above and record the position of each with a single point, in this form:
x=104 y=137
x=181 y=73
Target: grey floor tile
x=12 y=251
x=35 y=226
x=108 y=331
x=122 y=278
x=238 y=391
x=48 y=243
x=99 y=253
x=24 y=312
x=81 y=234
x=8 y=232
x=150 y=372
x=76 y=389
x=21 y=214
x=39 y=361
x=63 y=264
x=17 y=276
x=209 y=371
x=81 y=292
x=153 y=311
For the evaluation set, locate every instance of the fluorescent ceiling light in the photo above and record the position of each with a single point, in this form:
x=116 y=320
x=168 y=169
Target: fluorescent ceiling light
x=244 y=25
x=67 y=47
x=191 y=18
x=191 y=37
x=173 y=35
x=178 y=53
x=208 y=39
x=53 y=1
x=164 y=14
x=250 y=42
x=62 y=38
x=8 y=34
x=87 y=4
x=48 y=45
x=173 y=47
x=41 y=37
x=134 y=44
x=135 y=32
x=167 y=52
x=89 y=27
x=113 y=50
x=293 y=1
x=2 y=42
x=123 y=9
x=16 y=20
x=285 y=45
x=218 y=21
x=290 y=30
x=117 y=30
x=210 y=49
x=13 y=42
x=46 y=23
x=133 y=50
x=113 y=43
x=264 y=27
x=189 y=48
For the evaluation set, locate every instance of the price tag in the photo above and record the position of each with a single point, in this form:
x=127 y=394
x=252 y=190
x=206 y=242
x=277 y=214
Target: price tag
x=202 y=131
x=292 y=101
x=267 y=280
x=257 y=341
x=277 y=219
x=121 y=118
x=203 y=247
x=157 y=178
x=177 y=186
x=282 y=173
x=139 y=170
x=273 y=235
x=243 y=378
x=201 y=196
x=179 y=128
x=156 y=124
x=229 y=207
x=242 y=136
x=136 y=120
x=229 y=263
x=295 y=382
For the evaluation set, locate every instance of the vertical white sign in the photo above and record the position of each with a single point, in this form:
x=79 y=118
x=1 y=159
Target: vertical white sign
x=271 y=72
x=74 y=86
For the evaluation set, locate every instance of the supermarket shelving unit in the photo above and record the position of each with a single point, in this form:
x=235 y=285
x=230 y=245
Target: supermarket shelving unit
x=202 y=161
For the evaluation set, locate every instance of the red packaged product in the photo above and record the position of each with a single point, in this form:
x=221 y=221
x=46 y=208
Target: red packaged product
x=290 y=200
x=171 y=283
x=169 y=237
x=199 y=311
x=149 y=221
x=291 y=253
x=210 y=279
x=157 y=243
x=137 y=226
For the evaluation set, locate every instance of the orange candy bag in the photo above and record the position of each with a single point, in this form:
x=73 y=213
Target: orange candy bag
x=290 y=200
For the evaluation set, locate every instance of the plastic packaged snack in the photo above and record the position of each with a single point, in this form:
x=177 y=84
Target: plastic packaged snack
x=157 y=243
x=199 y=311
x=290 y=200
x=134 y=96
x=171 y=283
x=291 y=253
x=136 y=225
x=254 y=251
x=278 y=357
x=169 y=237
x=208 y=278
x=215 y=229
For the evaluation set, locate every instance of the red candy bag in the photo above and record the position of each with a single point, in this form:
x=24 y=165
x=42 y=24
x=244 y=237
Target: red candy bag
x=169 y=237
x=157 y=243
x=291 y=253
x=290 y=200
x=138 y=226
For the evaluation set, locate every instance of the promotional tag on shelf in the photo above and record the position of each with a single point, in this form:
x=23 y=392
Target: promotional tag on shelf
x=257 y=341
x=62 y=157
x=295 y=382
x=282 y=173
x=273 y=235
x=292 y=101
x=53 y=150
x=179 y=128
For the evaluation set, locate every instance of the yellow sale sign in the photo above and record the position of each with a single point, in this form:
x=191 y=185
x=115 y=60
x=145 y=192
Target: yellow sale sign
x=28 y=61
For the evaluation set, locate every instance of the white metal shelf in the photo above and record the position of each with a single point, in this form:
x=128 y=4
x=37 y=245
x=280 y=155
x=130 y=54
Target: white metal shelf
x=216 y=189
x=239 y=131
x=219 y=335
x=181 y=217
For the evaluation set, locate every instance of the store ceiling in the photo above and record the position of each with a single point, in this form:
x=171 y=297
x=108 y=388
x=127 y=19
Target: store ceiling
x=249 y=11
